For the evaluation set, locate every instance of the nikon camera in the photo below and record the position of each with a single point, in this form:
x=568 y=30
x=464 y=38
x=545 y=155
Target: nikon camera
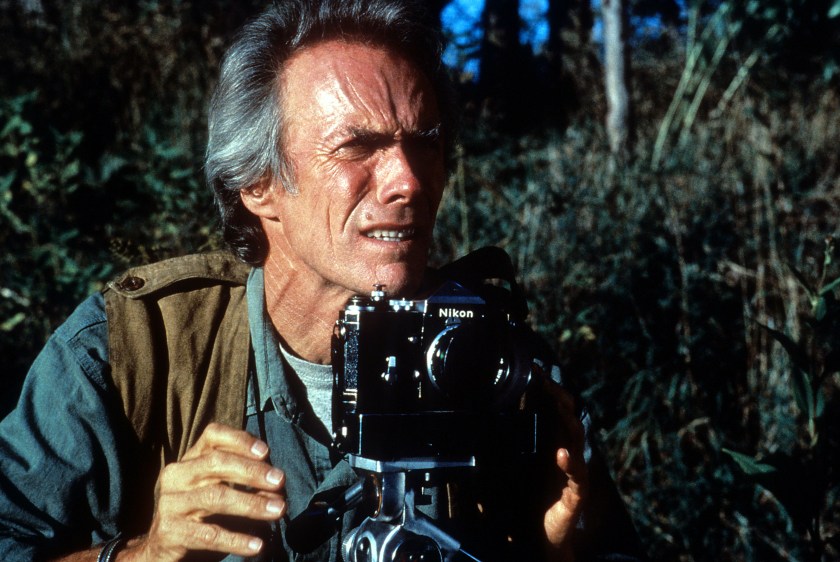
x=434 y=381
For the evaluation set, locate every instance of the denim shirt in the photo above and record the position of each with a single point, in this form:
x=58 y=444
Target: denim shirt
x=296 y=437
x=59 y=436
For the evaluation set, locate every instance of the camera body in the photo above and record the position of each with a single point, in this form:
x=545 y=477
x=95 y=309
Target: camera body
x=427 y=394
x=436 y=379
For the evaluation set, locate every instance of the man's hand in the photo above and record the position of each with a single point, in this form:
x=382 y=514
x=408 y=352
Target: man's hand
x=562 y=517
x=200 y=485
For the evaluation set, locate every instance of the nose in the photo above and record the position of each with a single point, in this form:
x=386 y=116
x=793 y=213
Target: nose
x=397 y=177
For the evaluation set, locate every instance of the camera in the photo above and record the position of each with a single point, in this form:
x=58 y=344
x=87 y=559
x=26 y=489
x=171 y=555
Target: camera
x=424 y=391
x=431 y=379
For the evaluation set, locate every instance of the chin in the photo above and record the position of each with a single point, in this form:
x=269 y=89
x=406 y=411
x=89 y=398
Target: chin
x=400 y=279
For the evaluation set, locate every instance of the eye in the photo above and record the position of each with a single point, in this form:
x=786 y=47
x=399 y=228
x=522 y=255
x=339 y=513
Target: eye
x=428 y=140
x=363 y=144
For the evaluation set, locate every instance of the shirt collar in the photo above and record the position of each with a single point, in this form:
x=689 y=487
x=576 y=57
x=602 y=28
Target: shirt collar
x=272 y=383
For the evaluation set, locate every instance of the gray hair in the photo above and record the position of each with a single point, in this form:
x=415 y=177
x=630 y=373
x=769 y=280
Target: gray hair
x=244 y=145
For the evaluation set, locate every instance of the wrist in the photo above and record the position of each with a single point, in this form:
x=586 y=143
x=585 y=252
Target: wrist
x=110 y=550
x=132 y=551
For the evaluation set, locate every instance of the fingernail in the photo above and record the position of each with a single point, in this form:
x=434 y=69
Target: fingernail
x=274 y=476
x=259 y=448
x=274 y=506
x=255 y=544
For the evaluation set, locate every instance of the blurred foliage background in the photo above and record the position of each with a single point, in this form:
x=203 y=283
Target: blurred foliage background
x=688 y=283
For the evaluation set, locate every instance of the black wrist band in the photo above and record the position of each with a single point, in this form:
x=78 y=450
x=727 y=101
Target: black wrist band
x=110 y=549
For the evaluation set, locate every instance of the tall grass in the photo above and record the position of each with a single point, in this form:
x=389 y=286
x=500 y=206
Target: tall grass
x=653 y=281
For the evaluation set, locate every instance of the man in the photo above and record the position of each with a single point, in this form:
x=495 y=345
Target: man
x=185 y=410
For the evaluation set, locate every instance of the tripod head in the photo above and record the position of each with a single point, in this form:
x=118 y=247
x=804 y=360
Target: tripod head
x=393 y=531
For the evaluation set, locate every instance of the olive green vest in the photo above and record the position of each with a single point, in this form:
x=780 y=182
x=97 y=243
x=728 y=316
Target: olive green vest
x=179 y=348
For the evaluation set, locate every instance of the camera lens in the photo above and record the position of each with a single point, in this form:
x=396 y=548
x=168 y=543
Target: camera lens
x=468 y=362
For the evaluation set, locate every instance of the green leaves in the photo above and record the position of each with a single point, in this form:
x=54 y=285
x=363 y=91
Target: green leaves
x=814 y=357
x=830 y=287
x=796 y=352
x=809 y=401
x=748 y=464
x=801 y=479
x=797 y=481
x=818 y=296
x=10 y=323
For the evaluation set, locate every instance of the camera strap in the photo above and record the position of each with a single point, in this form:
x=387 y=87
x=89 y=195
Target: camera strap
x=475 y=271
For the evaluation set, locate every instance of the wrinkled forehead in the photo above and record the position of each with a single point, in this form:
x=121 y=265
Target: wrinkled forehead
x=368 y=84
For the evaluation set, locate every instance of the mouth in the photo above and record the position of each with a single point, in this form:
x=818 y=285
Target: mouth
x=391 y=235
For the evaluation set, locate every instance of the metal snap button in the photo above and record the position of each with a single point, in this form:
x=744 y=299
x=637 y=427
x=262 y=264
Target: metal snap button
x=132 y=283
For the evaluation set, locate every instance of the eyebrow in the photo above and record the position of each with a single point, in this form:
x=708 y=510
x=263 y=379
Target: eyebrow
x=433 y=132
x=363 y=133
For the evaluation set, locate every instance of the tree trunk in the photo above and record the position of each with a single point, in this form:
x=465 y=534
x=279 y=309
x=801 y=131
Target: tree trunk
x=504 y=73
x=559 y=18
x=616 y=75
x=571 y=65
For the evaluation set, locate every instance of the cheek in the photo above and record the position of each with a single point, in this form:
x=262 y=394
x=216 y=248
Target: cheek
x=326 y=194
x=347 y=188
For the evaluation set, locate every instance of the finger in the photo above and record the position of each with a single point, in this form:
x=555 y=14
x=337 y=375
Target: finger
x=574 y=467
x=220 y=499
x=217 y=436
x=562 y=517
x=215 y=538
x=218 y=466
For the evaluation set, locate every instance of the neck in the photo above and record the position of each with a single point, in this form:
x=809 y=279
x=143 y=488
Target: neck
x=302 y=311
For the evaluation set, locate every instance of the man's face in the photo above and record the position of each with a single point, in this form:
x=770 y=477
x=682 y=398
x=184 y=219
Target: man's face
x=362 y=135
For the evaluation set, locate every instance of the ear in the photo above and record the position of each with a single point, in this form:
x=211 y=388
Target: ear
x=262 y=199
